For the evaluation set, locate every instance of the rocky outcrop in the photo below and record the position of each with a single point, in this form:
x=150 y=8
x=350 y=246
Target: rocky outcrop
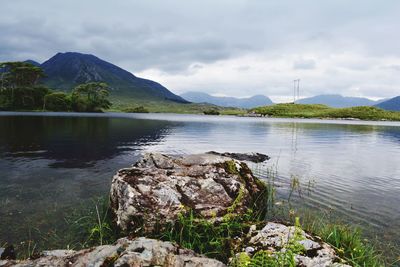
x=128 y=253
x=276 y=237
x=159 y=187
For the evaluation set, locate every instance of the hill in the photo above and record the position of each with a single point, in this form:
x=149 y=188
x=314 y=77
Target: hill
x=337 y=101
x=251 y=102
x=66 y=70
x=391 y=104
x=325 y=112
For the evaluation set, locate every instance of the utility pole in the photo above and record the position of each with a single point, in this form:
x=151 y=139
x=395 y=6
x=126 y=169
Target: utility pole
x=296 y=90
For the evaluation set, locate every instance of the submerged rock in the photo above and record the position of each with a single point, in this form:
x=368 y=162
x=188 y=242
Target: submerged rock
x=276 y=237
x=135 y=253
x=159 y=187
x=253 y=157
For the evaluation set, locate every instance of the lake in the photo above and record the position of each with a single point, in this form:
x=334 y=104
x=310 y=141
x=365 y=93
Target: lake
x=52 y=162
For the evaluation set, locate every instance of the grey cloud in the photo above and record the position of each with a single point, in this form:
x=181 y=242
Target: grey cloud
x=304 y=64
x=171 y=35
x=243 y=68
x=391 y=67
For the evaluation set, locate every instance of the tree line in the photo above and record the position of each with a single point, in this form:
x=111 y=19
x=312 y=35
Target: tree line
x=20 y=89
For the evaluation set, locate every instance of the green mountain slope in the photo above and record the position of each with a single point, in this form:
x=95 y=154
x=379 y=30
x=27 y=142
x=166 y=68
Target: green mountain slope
x=66 y=70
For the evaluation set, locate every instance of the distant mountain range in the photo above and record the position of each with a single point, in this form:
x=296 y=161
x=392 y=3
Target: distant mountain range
x=251 y=102
x=391 y=104
x=338 y=101
x=66 y=70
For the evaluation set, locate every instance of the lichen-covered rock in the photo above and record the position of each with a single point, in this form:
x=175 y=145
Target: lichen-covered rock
x=139 y=252
x=276 y=237
x=159 y=187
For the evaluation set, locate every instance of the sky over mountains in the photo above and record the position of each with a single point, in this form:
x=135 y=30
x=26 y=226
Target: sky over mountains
x=228 y=47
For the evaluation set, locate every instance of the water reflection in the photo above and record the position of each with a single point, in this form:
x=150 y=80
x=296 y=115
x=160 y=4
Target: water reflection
x=73 y=142
x=48 y=164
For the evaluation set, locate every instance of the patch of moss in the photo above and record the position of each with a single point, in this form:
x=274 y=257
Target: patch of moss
x=238 y=200
x=230 y=167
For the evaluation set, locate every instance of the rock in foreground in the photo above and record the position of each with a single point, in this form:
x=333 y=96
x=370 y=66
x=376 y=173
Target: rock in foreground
x=159 y=187
x=133 y=253
x=275 y=238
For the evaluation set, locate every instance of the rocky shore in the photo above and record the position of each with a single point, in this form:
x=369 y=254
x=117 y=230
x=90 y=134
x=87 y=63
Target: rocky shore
x=150 y=197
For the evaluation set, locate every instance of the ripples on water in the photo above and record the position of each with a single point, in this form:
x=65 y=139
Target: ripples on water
x=55 y=161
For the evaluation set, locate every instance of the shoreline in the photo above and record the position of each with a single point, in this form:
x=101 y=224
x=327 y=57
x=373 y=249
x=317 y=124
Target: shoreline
x=191 y=117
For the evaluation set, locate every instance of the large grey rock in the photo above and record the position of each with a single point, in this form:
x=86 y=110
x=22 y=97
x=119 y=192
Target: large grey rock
x=159 y=187
x=275 y=237
x=139 y=252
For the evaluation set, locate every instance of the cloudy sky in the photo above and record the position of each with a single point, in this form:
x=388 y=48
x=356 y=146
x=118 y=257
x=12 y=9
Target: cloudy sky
x=222 y=47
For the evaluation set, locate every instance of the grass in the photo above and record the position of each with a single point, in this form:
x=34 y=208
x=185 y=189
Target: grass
x=213 y=240
x=325 y=112
x=88 y=225
x=349 y=244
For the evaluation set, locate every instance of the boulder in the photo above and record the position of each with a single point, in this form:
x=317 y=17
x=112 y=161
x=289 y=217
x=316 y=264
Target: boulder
x=158 y=188
x=275 y=237
x=138 y=252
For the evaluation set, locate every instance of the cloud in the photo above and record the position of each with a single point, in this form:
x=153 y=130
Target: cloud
x=304 y=64
x=392 y=67
x=243 y=47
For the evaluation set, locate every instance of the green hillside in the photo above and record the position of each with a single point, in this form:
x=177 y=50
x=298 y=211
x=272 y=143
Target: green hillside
x=322 y=111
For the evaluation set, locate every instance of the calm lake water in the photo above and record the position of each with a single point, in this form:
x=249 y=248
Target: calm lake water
x=50 y=162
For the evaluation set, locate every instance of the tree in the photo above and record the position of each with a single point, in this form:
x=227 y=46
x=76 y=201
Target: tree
x=20 y=74
x=90 y=97
x=57 y=101
x=19 y=86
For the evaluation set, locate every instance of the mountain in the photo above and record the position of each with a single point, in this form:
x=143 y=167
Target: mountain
x=66 y=70
x=391 y=104
x=251 y=102
x=337 y=101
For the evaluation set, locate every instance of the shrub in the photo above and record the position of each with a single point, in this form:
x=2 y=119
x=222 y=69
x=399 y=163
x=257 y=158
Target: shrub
x=211 y=112
x=57 y=101
x=139 y=109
